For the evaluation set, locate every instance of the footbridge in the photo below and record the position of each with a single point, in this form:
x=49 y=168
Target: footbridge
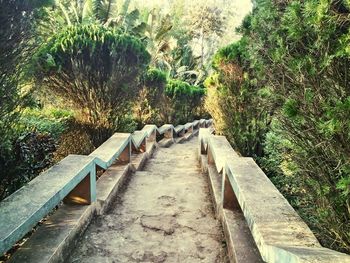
x=167 y=194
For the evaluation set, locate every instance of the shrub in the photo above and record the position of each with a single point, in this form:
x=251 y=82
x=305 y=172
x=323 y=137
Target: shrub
x=184 y=101
x=233 y=97
x=307 y=61
x=95 y=68
x=298 y=51
x=74 y=141
x=52 y=121
x=33 y=153
x=149 y=106
x=35 y=138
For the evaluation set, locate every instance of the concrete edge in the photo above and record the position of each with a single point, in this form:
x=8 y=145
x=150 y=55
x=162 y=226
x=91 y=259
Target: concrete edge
x=240 y=243
x=250 y=253
x=61 y=230
x=61 y=246
x=274 y=253
x=110 y=186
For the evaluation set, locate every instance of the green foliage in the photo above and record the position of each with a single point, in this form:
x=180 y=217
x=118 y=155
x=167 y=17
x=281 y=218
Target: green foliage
x=96 y=69
x=294 y=57
x=290 y=108
x=47 y=121
x=72 y=12
x=163 y=100
x=181 y=90
x=159 y=38
x=16 y=48
x=16 y=45
x=154 y=77
x=232 y=99
x=184 y=101
x=34 y=151
x=150 y=104
x=232 y=52
x=34 y=141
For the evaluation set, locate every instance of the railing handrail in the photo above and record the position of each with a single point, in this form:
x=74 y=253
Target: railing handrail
x=104 y=156
x=278 y=231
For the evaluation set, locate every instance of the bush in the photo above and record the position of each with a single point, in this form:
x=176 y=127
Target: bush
x=33 y=153
x=298 y=52
x=74 y=141
x=309 y=59
x=184 y=101
x=52 y=121
x=30 y=150
x=233 y=97
x=95 y=68
x=150 y=104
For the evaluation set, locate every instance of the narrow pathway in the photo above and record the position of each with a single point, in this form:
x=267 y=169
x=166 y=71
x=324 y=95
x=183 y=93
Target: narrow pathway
x=165 y=214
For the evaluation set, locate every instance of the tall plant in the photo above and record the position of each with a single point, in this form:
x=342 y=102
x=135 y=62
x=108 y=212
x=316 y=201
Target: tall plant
x=184 y=101
x=233 y=96
x=149 y=107
x=16 y=48
x=96 y=69
x=299 y=50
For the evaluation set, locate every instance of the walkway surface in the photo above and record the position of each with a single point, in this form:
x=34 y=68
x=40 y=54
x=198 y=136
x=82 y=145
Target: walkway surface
x=164 y=214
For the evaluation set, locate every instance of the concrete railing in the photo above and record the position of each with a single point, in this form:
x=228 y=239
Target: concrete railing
x=259 y=224
x=73 y=181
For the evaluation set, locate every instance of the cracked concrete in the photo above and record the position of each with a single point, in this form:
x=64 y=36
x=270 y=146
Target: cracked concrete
x=165 y=214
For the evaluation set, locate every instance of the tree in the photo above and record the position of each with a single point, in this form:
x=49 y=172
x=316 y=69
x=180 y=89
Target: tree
x=109 y=13
x=150 y=104
x=16 y=48
x=159 y=38
x=233 y=96
x=205 y=24
x=16 y=18
x=298 y=51
x=95 y=68
x=184 y=101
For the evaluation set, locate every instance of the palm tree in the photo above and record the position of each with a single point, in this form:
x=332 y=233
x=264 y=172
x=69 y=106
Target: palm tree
x=68 y=12
x=160 y=40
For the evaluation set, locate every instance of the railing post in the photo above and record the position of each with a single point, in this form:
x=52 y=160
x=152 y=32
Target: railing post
x=153 y=136
x=169 y=134
x=141 y=148
x=210 y=156
x=85 y=192
x=229 y=199
x=125 y=155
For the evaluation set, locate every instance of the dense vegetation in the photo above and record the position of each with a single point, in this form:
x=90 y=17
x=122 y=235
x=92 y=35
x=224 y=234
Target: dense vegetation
x=16 y=46
x=74 y=72
x=96 y=69
x=281 y=95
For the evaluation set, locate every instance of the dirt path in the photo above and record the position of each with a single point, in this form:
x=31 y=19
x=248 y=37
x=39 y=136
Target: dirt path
x=164 y=215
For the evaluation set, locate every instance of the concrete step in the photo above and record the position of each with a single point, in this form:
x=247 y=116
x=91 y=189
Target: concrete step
x=240 y=242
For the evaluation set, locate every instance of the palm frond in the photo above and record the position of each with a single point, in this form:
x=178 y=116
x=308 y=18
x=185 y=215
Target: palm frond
x=87 y=10
x=64 y=11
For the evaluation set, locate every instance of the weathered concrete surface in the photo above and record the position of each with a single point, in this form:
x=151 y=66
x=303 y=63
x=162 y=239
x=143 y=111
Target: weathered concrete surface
x=219 y=151
x=240 y=243
x=280 y=234
x=35 y=200
x=51 y=242
x=164 y=215
x=111 y=149
x=138 y=138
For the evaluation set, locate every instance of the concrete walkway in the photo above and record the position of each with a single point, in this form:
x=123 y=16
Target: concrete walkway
x=165 y=214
